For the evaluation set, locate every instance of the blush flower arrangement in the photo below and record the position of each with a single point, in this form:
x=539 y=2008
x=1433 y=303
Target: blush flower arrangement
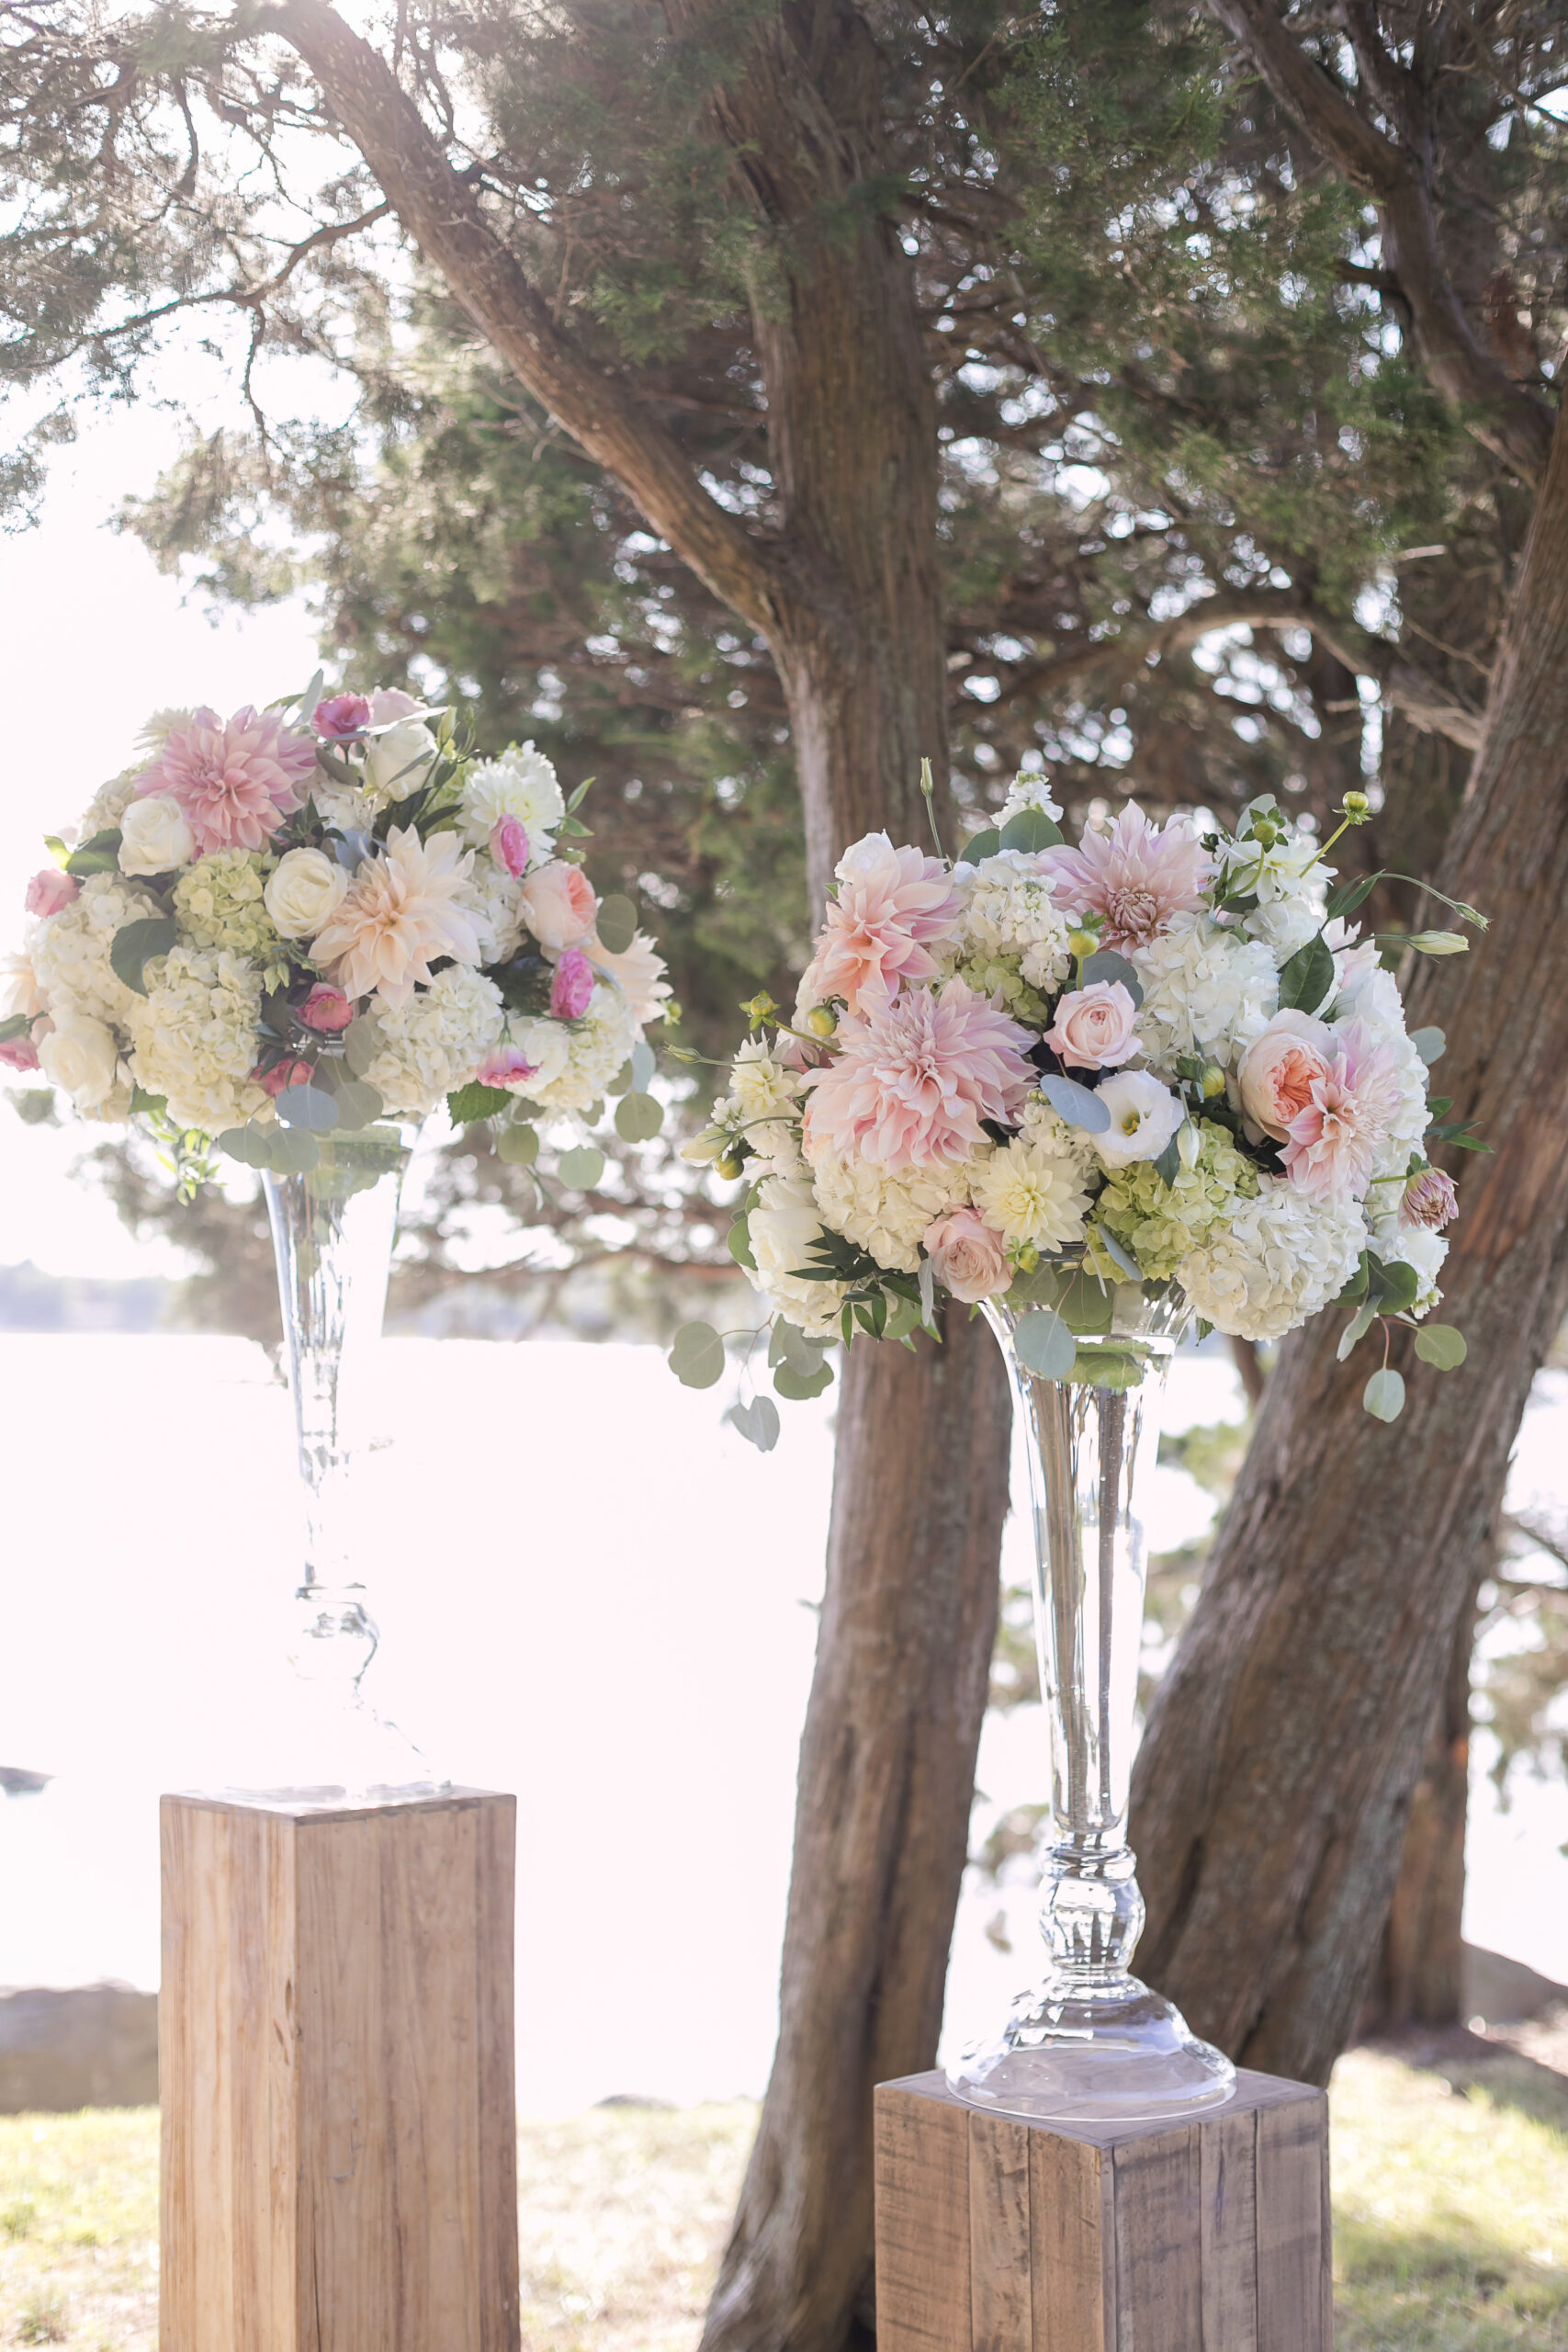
x=1163 y=1059
x=305 y=919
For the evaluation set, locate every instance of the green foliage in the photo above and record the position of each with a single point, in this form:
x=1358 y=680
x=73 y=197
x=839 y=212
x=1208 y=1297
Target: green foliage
x=696 y=1359
x=135 y=943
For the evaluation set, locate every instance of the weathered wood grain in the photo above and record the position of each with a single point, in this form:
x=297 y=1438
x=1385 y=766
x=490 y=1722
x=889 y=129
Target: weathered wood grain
x=1228 y=2230
x=1158 y=2205
x=1073 y=2243
x=1290 y=2225
x=1000 y=2317
x=922 y=2221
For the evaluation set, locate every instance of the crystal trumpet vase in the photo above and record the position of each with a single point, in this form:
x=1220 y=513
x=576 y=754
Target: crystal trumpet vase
x=1088 y=2043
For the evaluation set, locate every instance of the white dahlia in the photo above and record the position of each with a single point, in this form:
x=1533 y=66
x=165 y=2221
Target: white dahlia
x=1032 y=1193
x=1280 y=1256
x=521 y=784
x=433 y=1040
x=404 y=910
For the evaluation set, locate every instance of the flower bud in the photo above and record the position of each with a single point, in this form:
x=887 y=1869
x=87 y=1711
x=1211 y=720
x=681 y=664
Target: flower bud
x=1213 y=1080
x=1357 y=806
x=1438 y=942
x=1027 y=1258
x=1265 y=833
x=728 y=1167
x=1188 y=1144
x=1081 y=943
x=821 y=1021
x=760 y=1009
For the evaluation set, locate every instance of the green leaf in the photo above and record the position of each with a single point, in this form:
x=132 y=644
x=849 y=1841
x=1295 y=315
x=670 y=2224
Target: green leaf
x=1085 y=1305
x=292 y=1152
x=1045 y=1346
x=697 y=1358
x=1440 y=1344
x=99 y=855
x=623 y=1081
x=1394 y=1286
x=1106 y=965
x=985 y=843
x=1031 y=829
x=56 y=848
x=18 y=1024
x=359 y=1106
x=1384 y=1394
x=758 y=1422
x=796 y=1387
x=134 y=943
x=644 y=1064
x=618 y=923
x=639 y=1118
x=1114 y=1252
x=474 y=1102
x=307 y=1106
x=361 y=1044
x=250 y=1145
x=581 y=1167
x=1167 y=1164
x=1356 y=1330
x=1078 y=1105
x=578 y=797
x=517 y=1144
x=1114 y=1368
x=1430 y=1043
x=740 y=1245
x=1350 y=896
x=1306 y=978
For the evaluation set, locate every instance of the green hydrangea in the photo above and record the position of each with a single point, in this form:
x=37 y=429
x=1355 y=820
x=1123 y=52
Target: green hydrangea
x=1000 y=977
x=217 y=903
x=1159 y=1223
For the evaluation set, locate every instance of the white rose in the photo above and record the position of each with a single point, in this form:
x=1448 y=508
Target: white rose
x=80 y=1055
x=304 y=888
x=546 y=1045
x=153 y=836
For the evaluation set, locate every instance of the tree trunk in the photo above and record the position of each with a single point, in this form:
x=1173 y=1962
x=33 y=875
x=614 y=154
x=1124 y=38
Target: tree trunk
x=1419 y=1977
x=1273 y=1787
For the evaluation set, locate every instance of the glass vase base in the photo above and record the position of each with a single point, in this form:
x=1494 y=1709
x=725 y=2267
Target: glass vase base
x=310 y=1756
x=1068 y=2054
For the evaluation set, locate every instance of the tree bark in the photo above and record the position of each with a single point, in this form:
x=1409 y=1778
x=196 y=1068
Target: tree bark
x=1273 y=1787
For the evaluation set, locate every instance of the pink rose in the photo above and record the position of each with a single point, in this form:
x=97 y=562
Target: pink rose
x=559 y=906
x=509 y=845
x=326 y=1008
x=1278 y=1072
x=288 y=1072
x=1093 y=1027
x=49 y=891
x=340 y=717
x=18 y=1053
x=508 y=1066
x=967 y=1257
x=1428 y=1199
x=573 y=986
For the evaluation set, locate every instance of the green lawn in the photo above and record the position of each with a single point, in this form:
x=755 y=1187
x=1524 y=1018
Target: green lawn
x=1450 y=2204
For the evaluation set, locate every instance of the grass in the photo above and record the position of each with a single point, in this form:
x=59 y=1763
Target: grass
x=1451 y=2216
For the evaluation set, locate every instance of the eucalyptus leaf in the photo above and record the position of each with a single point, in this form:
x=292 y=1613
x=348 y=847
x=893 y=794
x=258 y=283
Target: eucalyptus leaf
x=1440 y=1344
x=618 y=923
x=787 y=1344
x=796 y=1386
x=1085 y=1305
x=644 y=1065
x=1384 y=1394
x=307 y=1106
x=1394 y=1286
x=639 y=1118
x=292 y=1152
x=697 y=1358
x=1430 y=1043
x=1114 y=1252
x=1045 y=1346
x=758 y=1422
x=517 y=1144
x=250 y=1145
x=1355 y=1331
x=1078 y=1105
x=1307 y=976
x=1031 y=829
x=582 y=1168
x=739 y=1241
x=983 y=844
x=1106 y=965
x=134 y=943
x=359 y=1106
x=1108 y=1367
x=623 y=1081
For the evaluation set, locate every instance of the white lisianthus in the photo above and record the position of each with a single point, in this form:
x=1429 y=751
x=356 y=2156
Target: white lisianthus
x=80 y=1055
x=544 y=1043
x=305 y=888
x=522 y=784
x=783 y=1226
x=1030 y=792
x=1280 y=1258
x=1206 y=991
x=1031 y=1195
x=1009 y=911
x=1145 y=1115
x=1288 y=879
x=597 y=1045
x=153 y=836
x=194 y=1037
x=71 y=950
x=886 y=1215
x=434 y=1040
x=395 y=762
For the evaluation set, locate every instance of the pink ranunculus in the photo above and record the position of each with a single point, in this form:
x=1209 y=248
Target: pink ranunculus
x=968 y=1256
x=235 y=781
x=340 y=716
x=558 y=906
x=1093 y=1027
x=1334 y=1141
x=1276 y=1073
x=916 y=1074
x=1428 y=1199
x=892 y=907
x=509 y=845
x=326 y=1008
x=18 y=1053
x=573 y=986
x=1136 y=877
x=507 y=1066
x=51 y=891
x=288 y=1072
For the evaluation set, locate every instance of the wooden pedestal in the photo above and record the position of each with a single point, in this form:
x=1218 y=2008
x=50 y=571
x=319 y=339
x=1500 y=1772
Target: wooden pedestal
x=338 y=2077
x=994 y=2235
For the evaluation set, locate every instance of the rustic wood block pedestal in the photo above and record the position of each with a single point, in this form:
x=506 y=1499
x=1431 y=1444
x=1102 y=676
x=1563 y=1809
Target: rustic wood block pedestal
x=994 y=2235
x=337 y=2076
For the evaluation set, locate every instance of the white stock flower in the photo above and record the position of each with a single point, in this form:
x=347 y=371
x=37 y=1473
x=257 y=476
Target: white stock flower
x=303 y=889
x=886 y=1215
x=434 y=1040
x=783 y=1226
x=80 y=1055
x=1145 y=1115
x=194 y=1037
x=1206 y=991
x=1009 y=911
x=1033 y=1193
x=522 y=784
x=1280 y=1258
x=1288 y=881
x=154 y=837
x=1030 y=792
x=497 y=899
x=597 y=1045
x=71 y=950
x=764 y=1102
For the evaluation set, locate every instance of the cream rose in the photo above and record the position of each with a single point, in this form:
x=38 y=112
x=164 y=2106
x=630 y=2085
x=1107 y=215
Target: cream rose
x=305 y=888
x=1278 y=1072
x=967 y=1256
x=153 y=836
x=80 y=1055
x=560 y=906
x=1093 y=1027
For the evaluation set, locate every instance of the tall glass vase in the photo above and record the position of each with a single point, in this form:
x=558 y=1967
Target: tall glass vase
x=333 y=1228
x=1088 y=2043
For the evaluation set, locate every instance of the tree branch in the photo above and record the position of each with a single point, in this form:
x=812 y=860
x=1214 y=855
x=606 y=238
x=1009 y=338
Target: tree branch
x=441 y=213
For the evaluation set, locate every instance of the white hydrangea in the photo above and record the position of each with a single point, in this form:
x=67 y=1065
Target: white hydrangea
x=1397 y=1243
x=763 y=1104
x=1368 y=993
x=1030 y=792
x=108 y=804
x=496 y=898
x=434 y=1041
x=1280 y=1258
x=886 y=1214
x=70 y=950
x=194 y=1037
x=1043 y=1126
x=596 y=1047
x=783 y=1226
x=1009 y=911
x=522 y=784
x=1206 y=990
x=1032 y=1193
x=346 y=807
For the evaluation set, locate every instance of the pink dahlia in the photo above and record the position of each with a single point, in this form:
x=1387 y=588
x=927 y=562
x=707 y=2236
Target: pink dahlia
x=403 y=911
x=1349 y=1113
x=893 y=904
x=916 y=1074
x=234 y=783
x=1428 y=1199
x=1136 y=877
